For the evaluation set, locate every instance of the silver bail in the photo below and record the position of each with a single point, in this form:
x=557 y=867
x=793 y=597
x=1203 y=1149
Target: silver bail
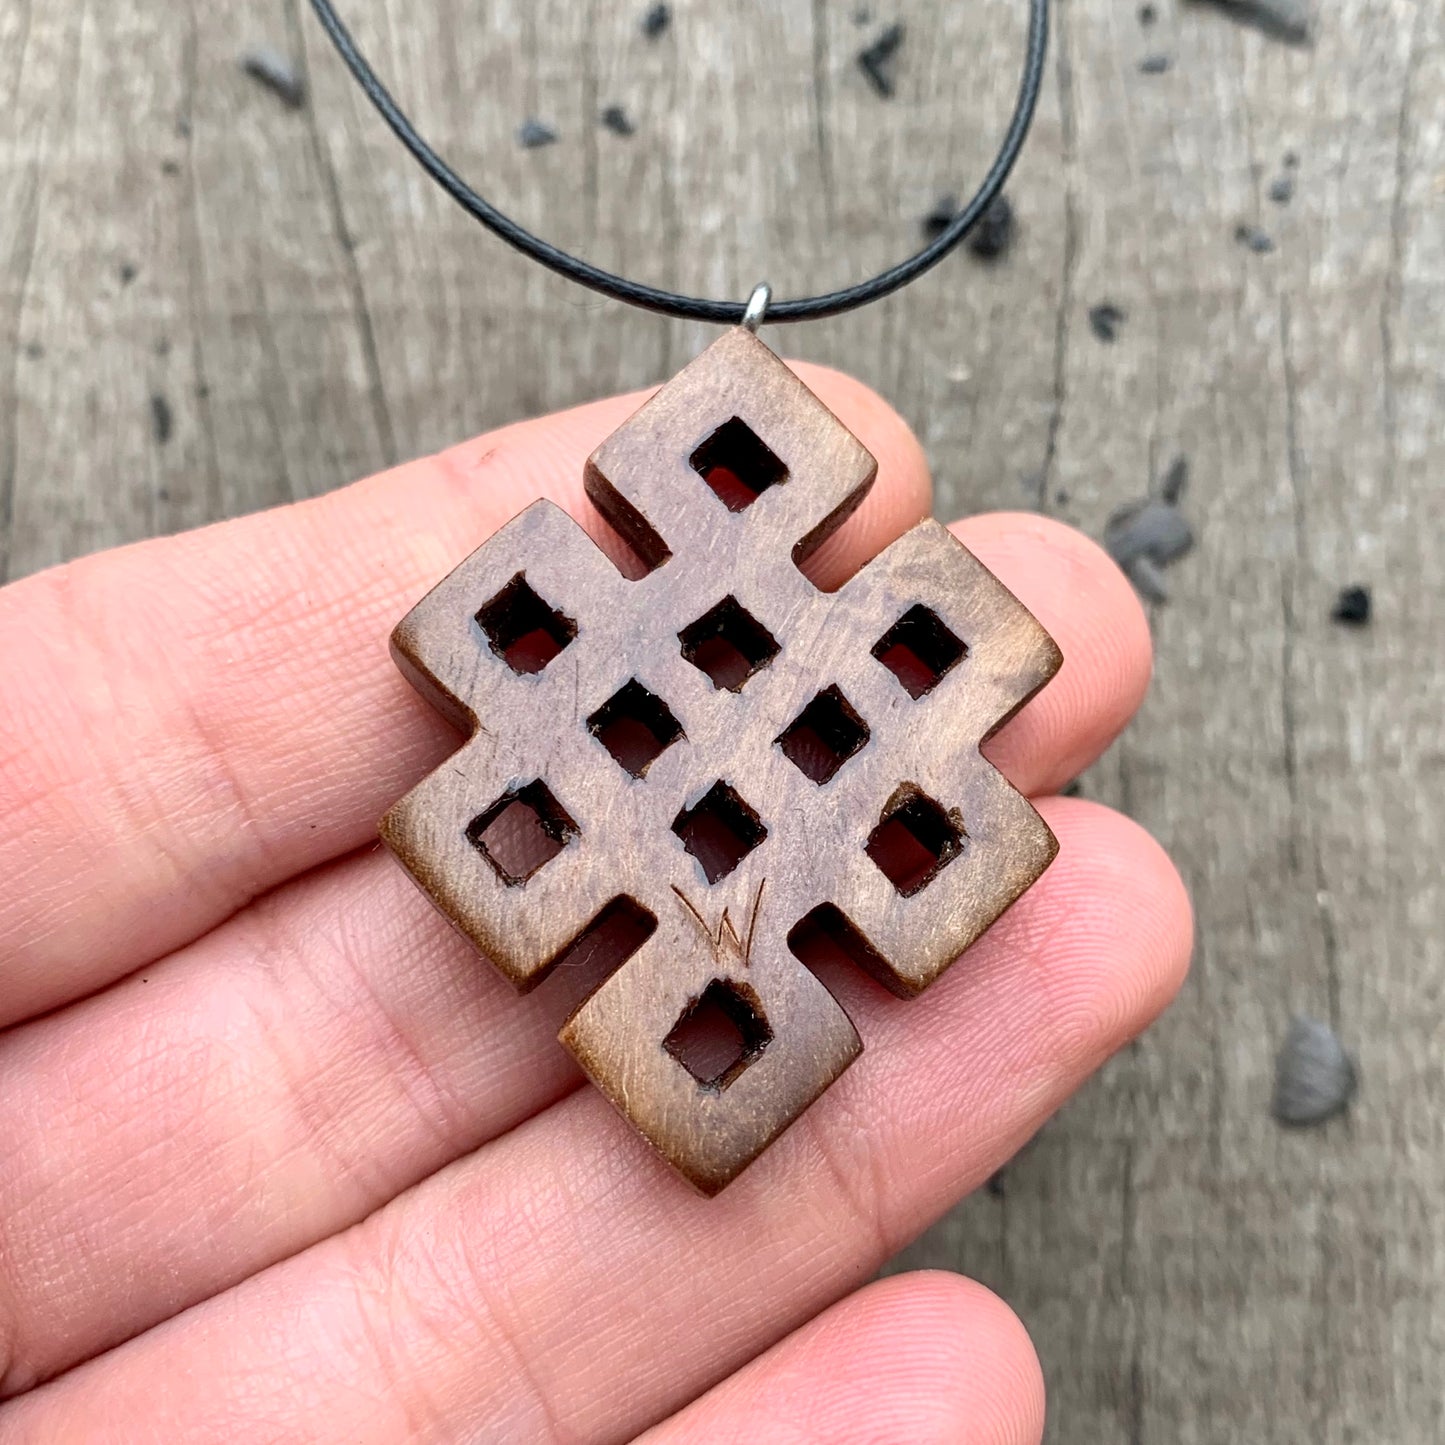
x=757 y=306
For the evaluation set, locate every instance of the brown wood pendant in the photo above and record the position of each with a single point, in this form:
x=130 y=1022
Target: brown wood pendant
x=702 y=770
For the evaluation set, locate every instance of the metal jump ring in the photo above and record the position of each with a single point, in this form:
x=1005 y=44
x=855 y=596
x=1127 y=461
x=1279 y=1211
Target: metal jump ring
x=757 y=306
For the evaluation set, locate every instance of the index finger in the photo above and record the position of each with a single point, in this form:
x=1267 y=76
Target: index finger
x=204 y=716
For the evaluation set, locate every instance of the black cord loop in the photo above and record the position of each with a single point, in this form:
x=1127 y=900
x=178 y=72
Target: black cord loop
x=697 y=308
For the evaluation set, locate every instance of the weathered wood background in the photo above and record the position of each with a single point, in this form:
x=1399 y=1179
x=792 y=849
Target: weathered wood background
x=210 y=303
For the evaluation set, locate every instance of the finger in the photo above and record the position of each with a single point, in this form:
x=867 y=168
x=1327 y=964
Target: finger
x=354 y=1044
x=1091 y=610
x=562 y=1283
x=919 y=1359
x=204 y=716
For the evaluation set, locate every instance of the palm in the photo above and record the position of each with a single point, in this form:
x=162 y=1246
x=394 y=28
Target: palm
x=283 y=1160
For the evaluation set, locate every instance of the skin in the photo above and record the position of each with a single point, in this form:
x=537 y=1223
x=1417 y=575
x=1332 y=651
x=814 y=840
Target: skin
x=282 y=1160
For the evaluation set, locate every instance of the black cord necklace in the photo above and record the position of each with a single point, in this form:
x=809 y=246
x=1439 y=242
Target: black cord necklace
x=698 y=308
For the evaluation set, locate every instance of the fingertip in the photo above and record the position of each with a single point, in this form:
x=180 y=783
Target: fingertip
x=1119 y=888
x=1082 y=599
x=985 y=1370
x=923 y=1358
x=901 y=496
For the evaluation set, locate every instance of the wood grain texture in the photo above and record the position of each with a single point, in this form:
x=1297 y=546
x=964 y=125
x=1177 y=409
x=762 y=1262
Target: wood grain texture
x=813 y=765
x=311 y=308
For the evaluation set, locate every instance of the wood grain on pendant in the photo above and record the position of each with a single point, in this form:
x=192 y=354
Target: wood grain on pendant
x=703 y=774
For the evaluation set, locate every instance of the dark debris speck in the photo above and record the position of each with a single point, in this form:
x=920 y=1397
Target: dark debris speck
x=994 y=234
x=278 y=74
x=997 y=1185
x=618 y=121
x=1147 y=15
x=1352 y=606
x=161 y=421
x=1105 y=320
x=1281 y=190
x=1314 y=1078
x=656 y=20
x=127 y=272
x=34 y=350
x=1286 y=20
x=533 y=133
x=876 y=59
x=170 y=168
x=940 y=218
x=1155 y=64
x=1176 y=479
x=1254 y=238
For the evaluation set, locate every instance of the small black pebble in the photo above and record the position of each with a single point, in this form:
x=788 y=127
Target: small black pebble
x=1072 y=789
x=1147 y=15
x=1155 y=64
x=657 y=19
x=533 y=133
x=183 y=127
x=940 y=218
x=1105 y=320
x=160 y=419
x=1291 y=161
x=875 y=60
x=276 y=73
x=617 y=120
x=1144 y=538
x=127 y=273
x=34 y=350
x=170 y=168
x=163 y=494
x=1061 y=498
x=862 y=16
x=1281 y=190
x=1255 y=239
x=1314 y=1078
x=1352 y=606
x=996 y=1184
x=994 y=233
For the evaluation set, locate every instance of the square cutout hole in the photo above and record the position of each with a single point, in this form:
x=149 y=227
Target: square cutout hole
x=523 y=630
x=729 y=644
x=521 y=832
x=824 y=735
x=915 y=840
x=918 y=650
x=635 y=726
x=719 y=831
x=738 y=465
x=719 y=1034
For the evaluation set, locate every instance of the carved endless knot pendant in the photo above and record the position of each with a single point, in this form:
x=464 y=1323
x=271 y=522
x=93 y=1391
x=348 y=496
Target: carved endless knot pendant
x=706 y=768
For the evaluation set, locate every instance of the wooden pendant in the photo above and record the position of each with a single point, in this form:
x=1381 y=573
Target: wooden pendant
x=707 y=770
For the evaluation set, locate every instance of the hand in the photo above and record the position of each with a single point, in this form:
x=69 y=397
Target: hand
x=282 y=1160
